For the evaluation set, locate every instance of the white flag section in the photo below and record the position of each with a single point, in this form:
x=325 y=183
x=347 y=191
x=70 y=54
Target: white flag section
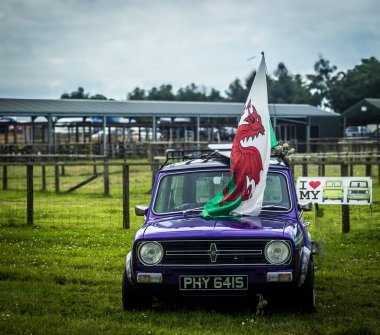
x=335 y=190
x=256 y=139
x=250 y=157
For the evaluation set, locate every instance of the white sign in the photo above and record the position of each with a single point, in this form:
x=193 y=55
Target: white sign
x=335 y=190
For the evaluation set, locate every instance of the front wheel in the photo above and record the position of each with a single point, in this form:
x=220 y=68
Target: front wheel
x=306 y=292
x=132 y=299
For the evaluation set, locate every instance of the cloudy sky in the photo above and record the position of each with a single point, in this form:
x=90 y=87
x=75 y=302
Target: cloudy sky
x=48 y=47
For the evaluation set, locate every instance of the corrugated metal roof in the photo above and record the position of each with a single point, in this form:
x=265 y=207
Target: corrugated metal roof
x=85 y=107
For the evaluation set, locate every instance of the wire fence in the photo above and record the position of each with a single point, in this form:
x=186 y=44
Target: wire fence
x=81 y=193
x=58 y=201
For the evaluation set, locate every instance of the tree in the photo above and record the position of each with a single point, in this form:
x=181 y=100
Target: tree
x=236 y=92
x=137 y=94
x=319 y=83
x=363 y=81
x=214 y=96
x=288 y=89
x=98 y=97
x=164 y=92
x=78 y=94
x=191 y=93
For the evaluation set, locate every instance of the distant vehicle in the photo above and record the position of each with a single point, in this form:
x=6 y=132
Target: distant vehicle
x=114 y=119
x=358 y=190
x=375 y=133
x=8 y=119
x=168 y=120
x=118 y=132
x=333 y=190
x=356 y=131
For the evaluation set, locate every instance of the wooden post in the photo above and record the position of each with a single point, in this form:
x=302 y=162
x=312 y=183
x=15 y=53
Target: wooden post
x=292 y=167
x=43 y=177
x=56 y=173
x=351 y=168
x=304 y=168
x=154 y=170
x=321 y=167
x=345 y=208
x=368 y=167
x=5 y=177
x=62 y=169
x=126 y=218
x=106 y=178
x=29 y=194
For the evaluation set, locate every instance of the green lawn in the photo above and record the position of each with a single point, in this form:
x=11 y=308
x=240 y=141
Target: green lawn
x=63 y=275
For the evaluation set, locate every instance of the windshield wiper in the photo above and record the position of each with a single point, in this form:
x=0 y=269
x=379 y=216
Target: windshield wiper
x=276 y=208
x=191 y=211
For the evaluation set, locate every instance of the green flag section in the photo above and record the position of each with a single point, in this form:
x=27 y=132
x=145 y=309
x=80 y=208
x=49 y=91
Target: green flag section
x=213 y=208
x=273 y=139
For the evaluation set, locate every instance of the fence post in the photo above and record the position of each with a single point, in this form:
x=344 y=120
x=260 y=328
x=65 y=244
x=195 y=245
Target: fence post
x=154 y=170
x=5 y=177
x=106 y=178
x=368 y=168
x=345 y=208
x=321 y=167
x=56 y=175
x=304 y=168
x=63 y=173
x=126 y=219
x=43 y=177
x=29 y=194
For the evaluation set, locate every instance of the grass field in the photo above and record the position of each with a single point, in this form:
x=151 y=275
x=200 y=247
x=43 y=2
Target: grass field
x=63 y=275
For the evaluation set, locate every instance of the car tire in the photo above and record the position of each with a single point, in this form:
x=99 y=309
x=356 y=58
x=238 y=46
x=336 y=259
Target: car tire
x=133 y=299
x=307 y=292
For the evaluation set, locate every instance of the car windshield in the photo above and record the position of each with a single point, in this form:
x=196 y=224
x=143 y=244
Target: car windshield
x=183 y=191
x=358 y=184
x=352 y=129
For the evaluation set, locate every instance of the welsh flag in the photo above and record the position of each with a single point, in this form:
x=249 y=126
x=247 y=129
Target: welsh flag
x=250 y=157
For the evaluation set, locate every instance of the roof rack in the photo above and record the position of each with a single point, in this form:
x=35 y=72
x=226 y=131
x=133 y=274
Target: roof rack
x=281 y=153
x=185 y=154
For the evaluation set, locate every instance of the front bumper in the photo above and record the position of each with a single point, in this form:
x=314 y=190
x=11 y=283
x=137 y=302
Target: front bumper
x=164 y=282
x=167 y=282
x=358 y=197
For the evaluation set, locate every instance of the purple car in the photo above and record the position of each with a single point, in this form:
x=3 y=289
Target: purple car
x=178 y=254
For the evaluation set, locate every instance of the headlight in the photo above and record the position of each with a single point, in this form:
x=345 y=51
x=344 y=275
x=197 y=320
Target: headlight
x=277 y=252
x=150 y=253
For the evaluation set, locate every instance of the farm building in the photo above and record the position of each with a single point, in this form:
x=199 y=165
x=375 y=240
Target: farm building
x=103 y=122
x=364 y=112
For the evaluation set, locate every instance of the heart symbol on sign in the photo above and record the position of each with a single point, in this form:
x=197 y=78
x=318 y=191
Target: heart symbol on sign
x=314 y=184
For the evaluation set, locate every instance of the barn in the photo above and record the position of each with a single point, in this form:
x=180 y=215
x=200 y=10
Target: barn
x=49 y=122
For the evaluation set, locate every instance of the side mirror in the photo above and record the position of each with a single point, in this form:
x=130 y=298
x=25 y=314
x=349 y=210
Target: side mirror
x=141 y=210
x=305 y=207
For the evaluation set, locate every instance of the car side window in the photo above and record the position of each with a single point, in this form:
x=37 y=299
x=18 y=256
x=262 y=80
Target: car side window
x=276 y=191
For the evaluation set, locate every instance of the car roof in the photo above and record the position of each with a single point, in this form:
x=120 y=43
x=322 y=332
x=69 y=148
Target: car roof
x=210 y=162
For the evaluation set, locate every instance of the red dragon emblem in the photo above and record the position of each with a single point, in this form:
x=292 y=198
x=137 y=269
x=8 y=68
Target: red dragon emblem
x=246 y=163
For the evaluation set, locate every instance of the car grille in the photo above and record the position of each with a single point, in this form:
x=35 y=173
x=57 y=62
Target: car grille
x=214 y=252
